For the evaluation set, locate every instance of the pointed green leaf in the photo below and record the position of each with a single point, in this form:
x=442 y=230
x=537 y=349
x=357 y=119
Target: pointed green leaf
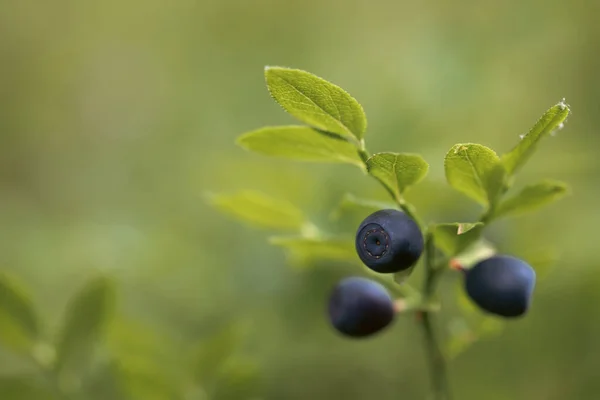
x=86 y=316
x=397 y=171
x=260 y=210
x=475 y=171
x=531 y=198
x=552 y=120
x=18 y=319
x=351 y=203
x=316 y=102
x=300 y=143
x=305 y=250
x=453 y=238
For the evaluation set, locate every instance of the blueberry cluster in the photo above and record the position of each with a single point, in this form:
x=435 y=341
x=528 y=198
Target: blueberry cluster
x=389 y=241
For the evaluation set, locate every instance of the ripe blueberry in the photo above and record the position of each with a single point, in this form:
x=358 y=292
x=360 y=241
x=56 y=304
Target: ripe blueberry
x=389 y=241
x=360 y=307
x=501 y=285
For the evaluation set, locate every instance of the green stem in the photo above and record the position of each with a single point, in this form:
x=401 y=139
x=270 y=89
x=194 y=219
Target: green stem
x=434 y=353
x=364 y=155
x=437 y=362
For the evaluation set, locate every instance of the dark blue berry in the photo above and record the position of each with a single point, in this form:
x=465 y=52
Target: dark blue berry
x=501 y=285
x=360 y=307
x=389 y=241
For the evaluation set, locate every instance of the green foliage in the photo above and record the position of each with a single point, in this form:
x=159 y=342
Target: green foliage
x=18 y=318
x=261 y=210
x=87 y=314
x=316 y=102
x=552 y=120
x=351 y=204
x=96 y=357
x=303 y=251
x=474 y=170
x=396 y=171
x=300 y=143
x=453 y=238
x=531 y=198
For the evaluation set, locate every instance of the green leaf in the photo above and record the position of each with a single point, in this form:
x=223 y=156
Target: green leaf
x=86 y=315
x=350 y=203
x=552 y=120
x=531 y=198
x=475 y=171
x=300 y=143
x=260 y=210
x=397 y=171
x=18 y=319
x=453 y=238
x=316 y=102
x=305 y=250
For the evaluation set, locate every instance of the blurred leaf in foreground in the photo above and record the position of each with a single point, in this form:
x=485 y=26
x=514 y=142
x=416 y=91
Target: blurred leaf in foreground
x=87 y=314
x=304 y=250
x=260 y=210
x=19 y=325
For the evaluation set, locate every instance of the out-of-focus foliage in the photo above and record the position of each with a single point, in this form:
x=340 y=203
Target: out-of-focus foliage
x=118 y=116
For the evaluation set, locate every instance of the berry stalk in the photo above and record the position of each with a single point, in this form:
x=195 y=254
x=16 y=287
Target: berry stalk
x=437 y=362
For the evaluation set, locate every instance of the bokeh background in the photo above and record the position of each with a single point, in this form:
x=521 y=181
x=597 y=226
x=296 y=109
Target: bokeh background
x=117 y=117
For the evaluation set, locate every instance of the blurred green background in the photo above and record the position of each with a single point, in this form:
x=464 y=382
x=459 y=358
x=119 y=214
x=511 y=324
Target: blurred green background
x=117 y=116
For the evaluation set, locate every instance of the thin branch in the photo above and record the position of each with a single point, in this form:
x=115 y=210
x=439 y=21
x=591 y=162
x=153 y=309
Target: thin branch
x=437 y=362
x=435 y=356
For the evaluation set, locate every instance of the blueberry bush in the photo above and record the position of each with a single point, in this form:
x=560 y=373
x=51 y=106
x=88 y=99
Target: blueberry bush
x=393 y=241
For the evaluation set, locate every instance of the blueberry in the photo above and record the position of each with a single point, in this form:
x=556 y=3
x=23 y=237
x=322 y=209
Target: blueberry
x=501 y=285
x=389 y=241
x=360 y=307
